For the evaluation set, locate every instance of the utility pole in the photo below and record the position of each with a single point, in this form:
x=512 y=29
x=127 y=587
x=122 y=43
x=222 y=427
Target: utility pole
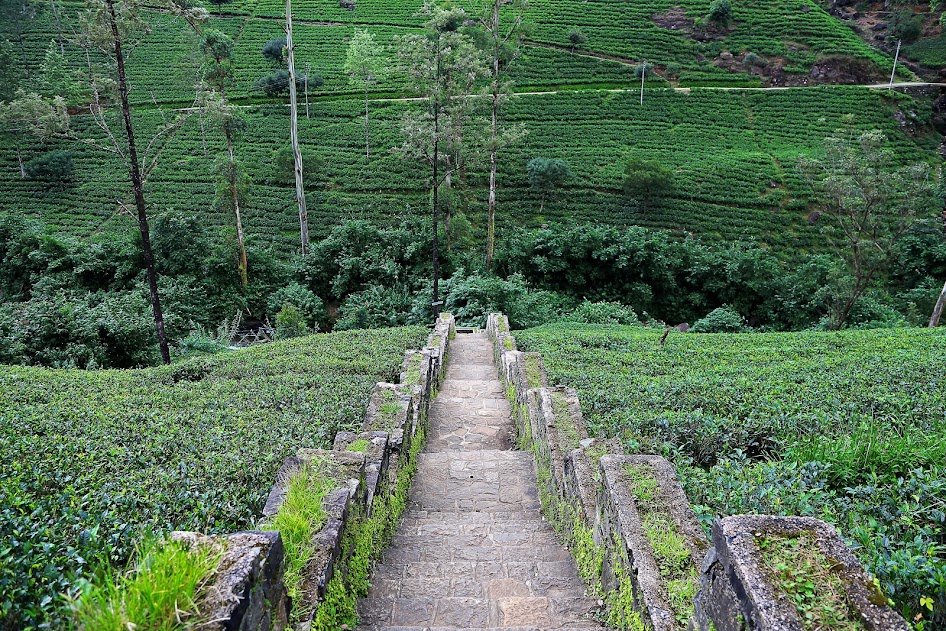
x=643 y=76
x=896 y=58
x=294 y=134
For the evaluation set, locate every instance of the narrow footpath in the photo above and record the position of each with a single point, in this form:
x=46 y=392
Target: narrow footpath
x=472 y=551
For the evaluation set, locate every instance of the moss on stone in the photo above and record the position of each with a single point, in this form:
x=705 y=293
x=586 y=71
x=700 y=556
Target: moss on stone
x=622 y=611
x=533 y=371
x=413 y=369
x=798 y=569
x=366 y=536
x=389 y=408
x=360 y=445
x=679 y=579
x=567 y=430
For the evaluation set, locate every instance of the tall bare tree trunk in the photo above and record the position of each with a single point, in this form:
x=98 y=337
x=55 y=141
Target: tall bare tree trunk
x=203 y=134
x=435 y=302
x=19 y=159
x=62 y=46
x=938 y=310
x=294 y=134
x=491 y=228
x=137 y=183
x=448 y=210
x=235 y=194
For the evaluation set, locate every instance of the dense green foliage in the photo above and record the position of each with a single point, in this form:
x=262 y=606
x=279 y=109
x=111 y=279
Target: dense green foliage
x=94 y=458
x=734 y=178
x=83 y=303
x=844 y=426
x=682 y=280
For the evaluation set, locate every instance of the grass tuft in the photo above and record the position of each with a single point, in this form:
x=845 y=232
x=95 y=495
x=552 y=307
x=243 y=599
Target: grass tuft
x=162 y=592
x=300 y=517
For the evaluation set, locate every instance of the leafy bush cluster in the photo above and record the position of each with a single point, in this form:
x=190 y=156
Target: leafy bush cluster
x=92 y=459
x=683 y=280
x=84 y=303
x=846 y=427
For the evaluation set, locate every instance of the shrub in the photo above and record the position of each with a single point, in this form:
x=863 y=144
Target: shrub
x=290 y=322
x=274 y=50
x=548 y=174
x=644 y=70
x=284 y=166
x=647 y=180
x=309 y=305
x=375 y=306
x=53 y=166
x=751 y=59
x=906 y=25
x=576 y=38
x=720 y=12
x=723 y=319
x=602 y=313
x=471 y=298
x=276 y=83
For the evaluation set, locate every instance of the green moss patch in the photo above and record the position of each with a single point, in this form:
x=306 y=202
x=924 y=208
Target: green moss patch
x=389 y=408
x=799 y=570
x=671 y=553
x=360 y=445
x=567 y=430
x=533 y=371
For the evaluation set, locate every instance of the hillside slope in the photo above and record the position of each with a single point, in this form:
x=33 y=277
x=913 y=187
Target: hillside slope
x=733 y=153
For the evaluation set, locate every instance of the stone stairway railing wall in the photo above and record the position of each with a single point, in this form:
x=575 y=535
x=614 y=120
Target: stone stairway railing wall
x=373 y=472
x=606 y=506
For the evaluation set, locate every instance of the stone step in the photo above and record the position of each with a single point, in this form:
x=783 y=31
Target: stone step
x=482 y=405
x=471 y=389
x=414 y=516
x=473 y=372
x=477 y=579
x=470 y=613
x=451 y=525
x=589 y=625
x=412 y=549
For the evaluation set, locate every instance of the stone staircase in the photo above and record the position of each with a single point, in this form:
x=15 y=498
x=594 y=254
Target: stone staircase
x=472 y=551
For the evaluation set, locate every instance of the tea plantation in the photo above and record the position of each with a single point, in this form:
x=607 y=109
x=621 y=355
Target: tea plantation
x=847 y=427
x=793 y=34
x=733 y=154
x=92 y=459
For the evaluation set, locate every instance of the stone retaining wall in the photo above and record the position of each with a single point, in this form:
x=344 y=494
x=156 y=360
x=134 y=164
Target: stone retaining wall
x=635 y=537
x=372 y=470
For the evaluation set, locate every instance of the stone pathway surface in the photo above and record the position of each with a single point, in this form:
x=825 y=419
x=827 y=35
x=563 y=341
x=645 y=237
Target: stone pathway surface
x=472 y=551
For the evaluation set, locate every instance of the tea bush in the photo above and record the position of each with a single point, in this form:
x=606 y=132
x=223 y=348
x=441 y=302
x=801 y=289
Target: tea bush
x=92 y=459
x=846 y=427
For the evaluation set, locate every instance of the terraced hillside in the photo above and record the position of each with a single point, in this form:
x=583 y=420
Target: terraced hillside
x=733 y=153
x=786 y=34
